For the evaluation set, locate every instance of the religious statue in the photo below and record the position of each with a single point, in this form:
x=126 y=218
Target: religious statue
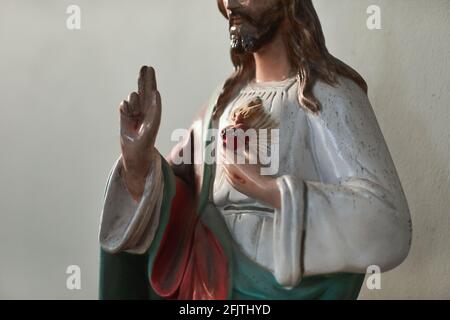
x=305 y=225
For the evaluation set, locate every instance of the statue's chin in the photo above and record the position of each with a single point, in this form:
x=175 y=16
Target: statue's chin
x=251 y=42
x=243 y=45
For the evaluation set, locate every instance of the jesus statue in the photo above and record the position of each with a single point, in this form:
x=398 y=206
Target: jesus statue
x=328 y=206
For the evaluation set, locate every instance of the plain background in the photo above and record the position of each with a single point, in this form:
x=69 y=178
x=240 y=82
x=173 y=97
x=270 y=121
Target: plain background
x=59 y=92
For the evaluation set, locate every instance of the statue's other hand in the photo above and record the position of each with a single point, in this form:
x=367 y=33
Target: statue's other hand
x=247 y=178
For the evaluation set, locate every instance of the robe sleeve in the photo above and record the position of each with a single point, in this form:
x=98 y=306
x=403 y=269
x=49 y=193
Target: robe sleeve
x=126 y=275
x=356 y=214
x=127 y=225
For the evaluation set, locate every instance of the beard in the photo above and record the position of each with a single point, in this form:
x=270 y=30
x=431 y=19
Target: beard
x=249 y=34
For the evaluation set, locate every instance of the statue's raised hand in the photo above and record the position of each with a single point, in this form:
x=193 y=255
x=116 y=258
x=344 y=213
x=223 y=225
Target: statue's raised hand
x=140 y=117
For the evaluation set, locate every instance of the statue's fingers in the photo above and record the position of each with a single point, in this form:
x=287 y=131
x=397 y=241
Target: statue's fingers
x=146 y=81
x=226 y=170
x=150 y=80
x=233 y=177
x=134 y=104
x=126 y=120
x=141 y=81
x=153 y=113
x=146 y=85
x=152 y=118
x=250 y=154
x=227 y=155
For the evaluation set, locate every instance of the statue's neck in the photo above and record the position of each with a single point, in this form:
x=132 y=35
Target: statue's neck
x=272 y=62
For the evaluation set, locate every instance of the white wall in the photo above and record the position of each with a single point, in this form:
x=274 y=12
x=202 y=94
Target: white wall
x=60 y=89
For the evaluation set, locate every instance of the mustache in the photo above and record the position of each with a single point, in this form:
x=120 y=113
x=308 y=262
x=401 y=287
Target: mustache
x=239 y=15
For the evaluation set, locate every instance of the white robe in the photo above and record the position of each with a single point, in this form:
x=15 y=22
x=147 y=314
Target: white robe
x=343 y=208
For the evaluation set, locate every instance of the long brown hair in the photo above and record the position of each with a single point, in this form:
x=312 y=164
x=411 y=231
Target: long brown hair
x=307 y=52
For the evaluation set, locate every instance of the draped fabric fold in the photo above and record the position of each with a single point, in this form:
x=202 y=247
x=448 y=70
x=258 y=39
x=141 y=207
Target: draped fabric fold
x=190 y=263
